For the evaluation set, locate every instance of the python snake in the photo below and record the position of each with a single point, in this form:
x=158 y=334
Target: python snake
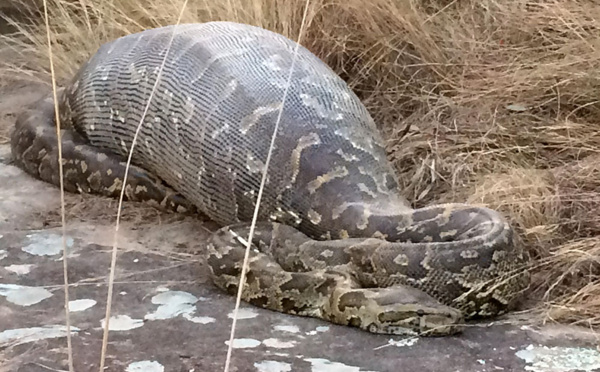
x=335 y=239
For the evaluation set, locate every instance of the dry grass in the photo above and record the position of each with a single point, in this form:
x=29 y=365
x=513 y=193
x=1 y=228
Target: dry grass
x=501 y=97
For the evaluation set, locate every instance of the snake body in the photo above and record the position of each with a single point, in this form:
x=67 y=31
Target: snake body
x=335 y=239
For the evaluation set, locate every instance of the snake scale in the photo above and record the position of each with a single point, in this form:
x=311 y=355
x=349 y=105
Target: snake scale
x=335 y=240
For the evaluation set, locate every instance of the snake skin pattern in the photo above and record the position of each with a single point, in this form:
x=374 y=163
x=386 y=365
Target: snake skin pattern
x=335 y=239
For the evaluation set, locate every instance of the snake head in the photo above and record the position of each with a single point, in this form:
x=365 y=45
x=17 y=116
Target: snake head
x=398 y=310
x=417 y=319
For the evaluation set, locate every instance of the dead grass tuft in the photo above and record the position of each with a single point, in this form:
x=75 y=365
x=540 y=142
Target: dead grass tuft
x=500 y=96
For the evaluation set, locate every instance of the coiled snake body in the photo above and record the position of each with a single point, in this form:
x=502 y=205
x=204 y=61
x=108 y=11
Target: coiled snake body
x=335 y=239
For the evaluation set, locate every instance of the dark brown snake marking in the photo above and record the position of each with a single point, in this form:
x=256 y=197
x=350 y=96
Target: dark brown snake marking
x=335 y=241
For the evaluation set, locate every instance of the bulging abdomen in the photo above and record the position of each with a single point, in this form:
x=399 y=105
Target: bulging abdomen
x=207 y=128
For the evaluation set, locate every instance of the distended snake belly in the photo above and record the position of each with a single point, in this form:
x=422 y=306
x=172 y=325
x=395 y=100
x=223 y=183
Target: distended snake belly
x=335 y=238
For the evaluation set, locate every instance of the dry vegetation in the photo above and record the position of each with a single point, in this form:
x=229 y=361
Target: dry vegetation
x=501 y=97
